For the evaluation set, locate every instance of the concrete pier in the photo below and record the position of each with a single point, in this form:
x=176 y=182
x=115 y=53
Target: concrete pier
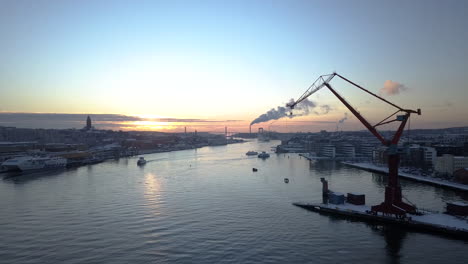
x=432 y=222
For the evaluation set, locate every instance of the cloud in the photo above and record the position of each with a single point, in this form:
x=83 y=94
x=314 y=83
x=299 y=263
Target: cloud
x=324 y=109
x=445 y=104
x=191 y=120
x=63 y=121
x=392 y=88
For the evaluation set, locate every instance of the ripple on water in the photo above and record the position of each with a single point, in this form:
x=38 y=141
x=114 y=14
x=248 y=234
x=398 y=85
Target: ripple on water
x=206 y=206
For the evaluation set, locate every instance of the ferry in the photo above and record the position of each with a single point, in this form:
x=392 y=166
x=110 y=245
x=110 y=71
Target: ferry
x=27 y=163
x=141 y=161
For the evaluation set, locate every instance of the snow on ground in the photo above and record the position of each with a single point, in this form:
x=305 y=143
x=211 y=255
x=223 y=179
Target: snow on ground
x=347 y=206
x=443 y=220
x=373 y=167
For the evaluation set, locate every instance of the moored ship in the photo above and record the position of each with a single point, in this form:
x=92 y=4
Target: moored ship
x=28 y=163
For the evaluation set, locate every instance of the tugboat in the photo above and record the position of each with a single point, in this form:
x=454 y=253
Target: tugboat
x=141 y=161
x=263 y=155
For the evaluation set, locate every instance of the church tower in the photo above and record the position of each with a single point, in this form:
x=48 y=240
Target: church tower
x=88 y=123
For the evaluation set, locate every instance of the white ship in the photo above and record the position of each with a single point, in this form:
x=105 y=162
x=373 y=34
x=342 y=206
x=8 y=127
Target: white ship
x=34 y=163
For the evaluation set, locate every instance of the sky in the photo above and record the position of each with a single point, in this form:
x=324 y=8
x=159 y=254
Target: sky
x=211 y=64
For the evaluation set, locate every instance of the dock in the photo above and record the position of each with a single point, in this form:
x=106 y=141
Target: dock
x=438 y=223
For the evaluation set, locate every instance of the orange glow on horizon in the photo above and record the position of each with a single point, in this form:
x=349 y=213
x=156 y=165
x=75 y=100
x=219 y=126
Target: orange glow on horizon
x=149 y=125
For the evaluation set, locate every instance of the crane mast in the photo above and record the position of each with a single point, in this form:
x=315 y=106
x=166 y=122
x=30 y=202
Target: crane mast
x=393 y=203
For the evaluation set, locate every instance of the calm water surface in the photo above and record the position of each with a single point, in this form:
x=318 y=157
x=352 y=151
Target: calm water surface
x=207 y=206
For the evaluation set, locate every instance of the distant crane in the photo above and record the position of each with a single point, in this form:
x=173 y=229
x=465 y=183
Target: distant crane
x=393 y=203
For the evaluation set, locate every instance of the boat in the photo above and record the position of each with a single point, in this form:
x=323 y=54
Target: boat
x=141 y=161
x=251 y=153
x=263 y=155
x=27 y=163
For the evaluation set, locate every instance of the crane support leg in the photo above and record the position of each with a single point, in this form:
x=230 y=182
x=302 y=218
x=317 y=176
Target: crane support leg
x=393 y=203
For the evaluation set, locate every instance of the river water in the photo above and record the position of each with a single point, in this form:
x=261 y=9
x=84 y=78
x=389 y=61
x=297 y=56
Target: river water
x=207 y=206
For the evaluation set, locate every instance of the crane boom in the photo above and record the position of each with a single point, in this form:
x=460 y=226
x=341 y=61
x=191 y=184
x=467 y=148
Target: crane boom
x=317 y=85
x=393 y=203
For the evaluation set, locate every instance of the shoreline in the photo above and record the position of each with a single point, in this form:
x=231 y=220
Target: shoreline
x=429 y=180
x=104 y=159
x=383 y=170
x=437 y=223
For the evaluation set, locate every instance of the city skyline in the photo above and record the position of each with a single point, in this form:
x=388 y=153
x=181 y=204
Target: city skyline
x=210 y=64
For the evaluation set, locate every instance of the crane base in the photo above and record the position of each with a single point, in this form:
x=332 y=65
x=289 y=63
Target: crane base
x=397 y=208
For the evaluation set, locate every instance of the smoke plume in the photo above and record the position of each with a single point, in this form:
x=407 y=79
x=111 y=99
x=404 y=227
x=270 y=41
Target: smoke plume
x=324 y=109
x=273 y=114
x=392 y=88
x=303 y=108
x=341 y=121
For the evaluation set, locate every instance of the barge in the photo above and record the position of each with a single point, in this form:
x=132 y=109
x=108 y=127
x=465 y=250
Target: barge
x=454 y=226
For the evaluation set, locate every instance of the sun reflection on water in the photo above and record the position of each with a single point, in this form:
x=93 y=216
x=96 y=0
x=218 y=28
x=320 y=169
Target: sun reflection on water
x=152 y=192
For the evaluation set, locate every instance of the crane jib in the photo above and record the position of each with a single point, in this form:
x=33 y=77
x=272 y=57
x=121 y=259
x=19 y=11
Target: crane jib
x=311 y=90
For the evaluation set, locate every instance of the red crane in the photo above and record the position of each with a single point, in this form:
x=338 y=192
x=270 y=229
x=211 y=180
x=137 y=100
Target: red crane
x=393 y=203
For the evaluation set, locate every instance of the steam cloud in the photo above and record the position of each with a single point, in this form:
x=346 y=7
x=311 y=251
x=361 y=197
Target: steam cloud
x=303 y=108
x=341 y=121
x=392 y=88
x=324 y=109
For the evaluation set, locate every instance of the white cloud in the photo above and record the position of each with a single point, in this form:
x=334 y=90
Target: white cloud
x=392 y=88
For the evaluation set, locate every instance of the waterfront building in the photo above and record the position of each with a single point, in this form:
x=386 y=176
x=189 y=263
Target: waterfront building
x=430 y=155
x=448 y=149
x=447 y=164
x=461 y=175
x=380 y=155
x=366 y=150
x=328 y=151
x=346 y=150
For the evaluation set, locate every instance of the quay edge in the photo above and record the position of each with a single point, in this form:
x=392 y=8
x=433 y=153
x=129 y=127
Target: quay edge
x=455 y=228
